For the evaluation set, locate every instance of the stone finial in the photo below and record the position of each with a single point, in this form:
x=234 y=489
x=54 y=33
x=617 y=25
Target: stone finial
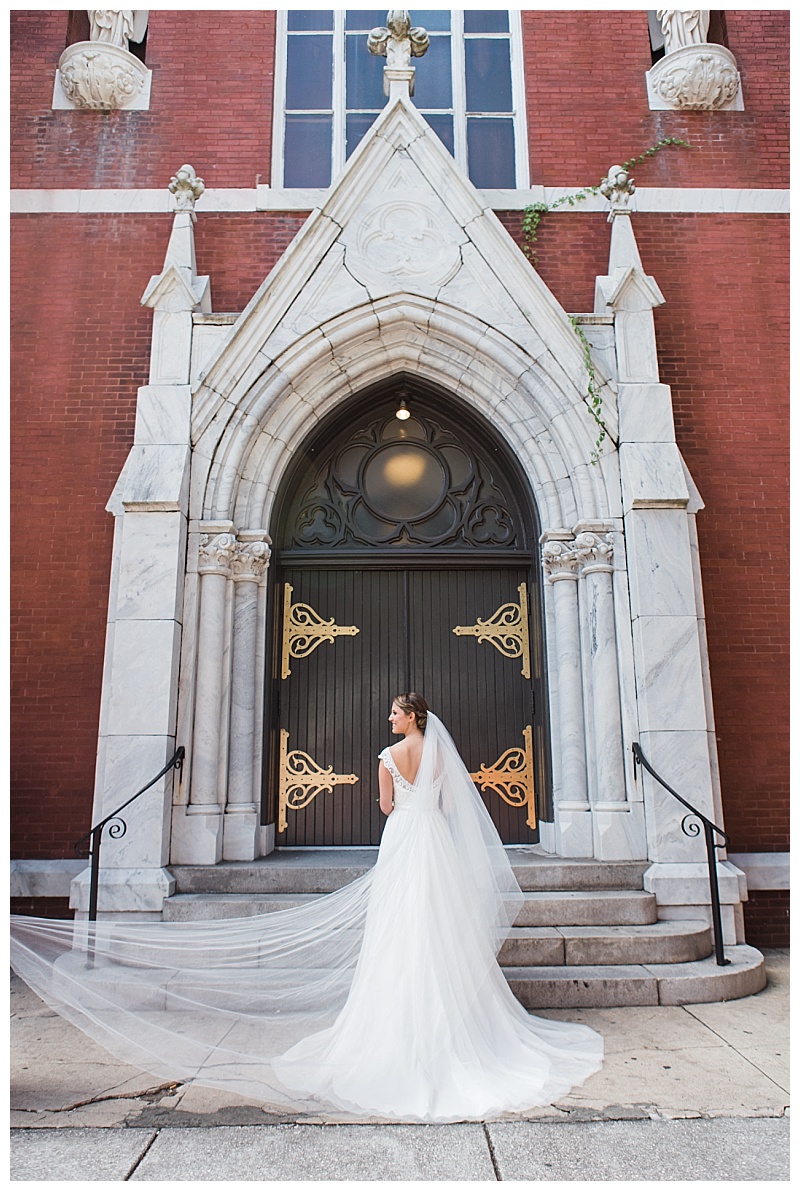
x=682 y=28
x=187 y=188
x=397 y=42
x=618 y=187
x=117 y=26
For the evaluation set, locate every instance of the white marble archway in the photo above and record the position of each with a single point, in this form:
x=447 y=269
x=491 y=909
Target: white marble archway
x=353 y=301
x=243 y=445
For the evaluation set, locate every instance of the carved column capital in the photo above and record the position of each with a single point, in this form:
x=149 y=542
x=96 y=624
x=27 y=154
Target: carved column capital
x=216 y=554
x=249 y=561
x=594 y=551
x=559 y=559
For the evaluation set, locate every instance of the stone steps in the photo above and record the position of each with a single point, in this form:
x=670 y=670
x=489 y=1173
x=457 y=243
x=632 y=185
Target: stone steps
x=317 y=870
x=659 y=942
x=587 y=934
x=565 y=986
x=593 y=986
x=606 y=907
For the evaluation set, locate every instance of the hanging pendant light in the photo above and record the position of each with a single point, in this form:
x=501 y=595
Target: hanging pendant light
x=402 y=412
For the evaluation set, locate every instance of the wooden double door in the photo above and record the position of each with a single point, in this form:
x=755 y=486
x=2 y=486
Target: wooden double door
x=347 y=640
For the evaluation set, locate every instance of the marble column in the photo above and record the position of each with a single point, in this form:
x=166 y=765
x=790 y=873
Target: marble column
x=199 y=838
x=572 y=811
x=594 y=551
x=241 y=823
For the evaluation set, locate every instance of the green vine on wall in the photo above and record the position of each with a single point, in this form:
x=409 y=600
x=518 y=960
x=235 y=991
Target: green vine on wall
x=532 y=215
x=593 y=398
x=531 y=218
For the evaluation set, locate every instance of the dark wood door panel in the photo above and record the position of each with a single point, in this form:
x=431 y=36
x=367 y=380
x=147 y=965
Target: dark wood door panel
x=479 y=693
x=335 y=703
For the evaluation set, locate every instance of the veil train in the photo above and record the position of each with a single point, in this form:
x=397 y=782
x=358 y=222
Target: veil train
x=383 y=997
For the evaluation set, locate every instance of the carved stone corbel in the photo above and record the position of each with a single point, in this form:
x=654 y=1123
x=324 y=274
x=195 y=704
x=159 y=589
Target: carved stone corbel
x=102 y=75
x=694 y=74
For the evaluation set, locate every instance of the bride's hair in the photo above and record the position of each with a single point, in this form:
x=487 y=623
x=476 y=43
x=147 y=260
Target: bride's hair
x=413 y=704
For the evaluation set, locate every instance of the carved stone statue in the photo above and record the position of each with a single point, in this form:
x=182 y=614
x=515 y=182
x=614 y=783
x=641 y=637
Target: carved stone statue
x=683 y=28
x=397 y=41
x=117 y=26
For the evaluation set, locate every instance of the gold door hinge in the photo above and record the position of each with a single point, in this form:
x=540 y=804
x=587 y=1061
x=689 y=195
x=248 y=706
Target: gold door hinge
x=304 y=629
x=507 y=630
x=302 y=779
x=511 y=777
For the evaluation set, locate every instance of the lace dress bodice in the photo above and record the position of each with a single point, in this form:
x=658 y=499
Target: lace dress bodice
x=405 y=793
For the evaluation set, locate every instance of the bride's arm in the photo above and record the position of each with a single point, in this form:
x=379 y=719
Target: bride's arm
x=386 y=786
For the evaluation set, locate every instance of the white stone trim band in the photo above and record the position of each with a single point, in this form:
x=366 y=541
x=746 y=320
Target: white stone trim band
x=655 y=200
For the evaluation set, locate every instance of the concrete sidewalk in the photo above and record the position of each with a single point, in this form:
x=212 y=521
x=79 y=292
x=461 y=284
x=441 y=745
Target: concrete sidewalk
x=693 y=1092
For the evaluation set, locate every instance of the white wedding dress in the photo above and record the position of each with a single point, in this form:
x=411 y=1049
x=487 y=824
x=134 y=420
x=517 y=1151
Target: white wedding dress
x=381 y=999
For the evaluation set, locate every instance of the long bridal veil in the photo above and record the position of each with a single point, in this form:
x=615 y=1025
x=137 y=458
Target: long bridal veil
x=221 y=1002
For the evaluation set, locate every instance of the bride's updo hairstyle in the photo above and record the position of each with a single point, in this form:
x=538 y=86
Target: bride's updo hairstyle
x=413 y=704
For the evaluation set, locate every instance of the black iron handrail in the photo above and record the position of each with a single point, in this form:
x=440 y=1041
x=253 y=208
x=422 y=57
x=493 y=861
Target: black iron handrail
x=693 y=830
x=117 y=830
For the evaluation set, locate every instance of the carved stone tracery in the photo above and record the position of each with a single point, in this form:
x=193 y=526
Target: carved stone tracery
x=410 y=484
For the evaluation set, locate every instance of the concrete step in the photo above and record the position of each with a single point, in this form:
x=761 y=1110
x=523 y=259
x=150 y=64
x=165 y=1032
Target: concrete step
x=600 y=907
x=564 y=987
x=594 y=986
x=606 y=907
x=659 y=942
x=321 y=870
x=196 y=907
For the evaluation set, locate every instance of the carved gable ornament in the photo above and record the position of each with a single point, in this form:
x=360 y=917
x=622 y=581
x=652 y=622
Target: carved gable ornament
x=402 y=225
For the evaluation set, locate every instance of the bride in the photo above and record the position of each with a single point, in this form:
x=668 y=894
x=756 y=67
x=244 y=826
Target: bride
x=382 y=999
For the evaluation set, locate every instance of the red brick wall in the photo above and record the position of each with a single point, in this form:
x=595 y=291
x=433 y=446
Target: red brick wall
x=723 y=344
x=80 y=349
x=212 y=89
x=587 y=103
x=80 y=344
x=766 y=918
x=211 y=105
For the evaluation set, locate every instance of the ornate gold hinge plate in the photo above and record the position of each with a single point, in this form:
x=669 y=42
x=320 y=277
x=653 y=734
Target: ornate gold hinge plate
x=304 y=629
x=511 y=777
x=301 y=780
x=506 y=630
